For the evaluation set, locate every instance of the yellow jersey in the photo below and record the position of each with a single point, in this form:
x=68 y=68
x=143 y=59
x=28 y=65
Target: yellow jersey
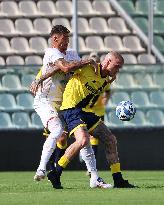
x=83 y=88
x=98 y=108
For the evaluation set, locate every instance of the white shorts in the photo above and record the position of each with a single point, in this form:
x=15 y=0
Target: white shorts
x=45 y=110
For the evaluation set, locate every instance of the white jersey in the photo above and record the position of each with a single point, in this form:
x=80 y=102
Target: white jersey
x=54 y=86
x=48 y=99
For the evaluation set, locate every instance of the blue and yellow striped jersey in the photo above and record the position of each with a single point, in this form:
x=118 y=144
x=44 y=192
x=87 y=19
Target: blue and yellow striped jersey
x=83 y=88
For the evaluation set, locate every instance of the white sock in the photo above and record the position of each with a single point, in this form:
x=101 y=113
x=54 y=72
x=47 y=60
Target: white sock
x=55 y=128
x=94 y=175
x=47 y=151
x=90 y=160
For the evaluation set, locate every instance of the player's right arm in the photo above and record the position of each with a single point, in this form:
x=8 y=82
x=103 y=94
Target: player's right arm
x=64 y=66
x=60 y=64
x=67 y=67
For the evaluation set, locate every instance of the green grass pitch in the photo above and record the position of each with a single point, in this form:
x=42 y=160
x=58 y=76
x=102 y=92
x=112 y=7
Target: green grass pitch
x=18 y=188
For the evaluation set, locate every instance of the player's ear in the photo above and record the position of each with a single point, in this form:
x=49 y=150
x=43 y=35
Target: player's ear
x=55 y=38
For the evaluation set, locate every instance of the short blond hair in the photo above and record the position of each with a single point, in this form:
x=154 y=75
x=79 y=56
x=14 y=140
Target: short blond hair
x=114 y=54
x=95 y=57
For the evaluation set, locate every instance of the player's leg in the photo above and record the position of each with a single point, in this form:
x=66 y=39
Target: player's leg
x=77 y=127
x=94 y=143
x=50 y=119
x=91 y=120
x=110 y=142
x=70 y=153
x=59 y=150
x=55 y=128
x=82 y=137
x=90 y=161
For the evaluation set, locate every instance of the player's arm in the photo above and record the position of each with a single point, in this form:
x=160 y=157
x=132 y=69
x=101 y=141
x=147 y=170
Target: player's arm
x=62 y=65
x=107 y=93
x=40 y=78
x=67 y=67
x=50 y=73
x=105 y=97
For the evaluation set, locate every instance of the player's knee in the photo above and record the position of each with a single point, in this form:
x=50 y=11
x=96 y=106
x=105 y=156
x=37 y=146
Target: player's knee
x=83 y=141
x=55 y=126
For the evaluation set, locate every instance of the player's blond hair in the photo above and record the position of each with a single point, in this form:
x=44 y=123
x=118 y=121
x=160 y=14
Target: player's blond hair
x=114 y=54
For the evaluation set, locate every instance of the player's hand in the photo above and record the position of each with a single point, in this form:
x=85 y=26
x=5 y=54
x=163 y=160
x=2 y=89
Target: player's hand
x=34 y=87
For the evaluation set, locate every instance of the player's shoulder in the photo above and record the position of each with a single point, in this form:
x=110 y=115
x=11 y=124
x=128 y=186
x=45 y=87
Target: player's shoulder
x=72 y=52
x=52 y=54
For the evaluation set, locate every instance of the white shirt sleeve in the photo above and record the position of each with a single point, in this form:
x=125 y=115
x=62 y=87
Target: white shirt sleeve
x=72 y=55
x=51 y=55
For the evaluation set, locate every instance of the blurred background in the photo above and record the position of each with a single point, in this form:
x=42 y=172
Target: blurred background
x=135 y=28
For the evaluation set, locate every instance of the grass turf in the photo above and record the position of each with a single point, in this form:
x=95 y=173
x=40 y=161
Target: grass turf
x=18 y=188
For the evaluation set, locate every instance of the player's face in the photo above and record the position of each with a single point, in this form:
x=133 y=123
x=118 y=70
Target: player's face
x=61 y=42
x=113 y=67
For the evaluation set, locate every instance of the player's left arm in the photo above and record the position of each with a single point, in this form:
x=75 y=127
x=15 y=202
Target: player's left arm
x=39 y=79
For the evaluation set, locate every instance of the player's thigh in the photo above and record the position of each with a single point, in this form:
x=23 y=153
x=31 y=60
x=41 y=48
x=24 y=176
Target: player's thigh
x=102 y=131
x=45 y=110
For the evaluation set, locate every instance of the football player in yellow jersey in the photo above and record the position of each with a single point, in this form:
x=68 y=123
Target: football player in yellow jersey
x=98 y=109
x=81 y=91
x=58 y=61
x=90 y=160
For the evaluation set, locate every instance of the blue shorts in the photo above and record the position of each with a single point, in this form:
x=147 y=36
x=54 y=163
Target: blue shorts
x=75 y=117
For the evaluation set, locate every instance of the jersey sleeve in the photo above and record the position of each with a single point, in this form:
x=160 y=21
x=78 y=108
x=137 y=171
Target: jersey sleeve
x=51 y=55
x=73 y=55
x=54 y=55
x=76 y=56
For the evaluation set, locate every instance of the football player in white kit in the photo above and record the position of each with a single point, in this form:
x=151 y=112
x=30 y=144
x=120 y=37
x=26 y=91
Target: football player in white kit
x=48 y=98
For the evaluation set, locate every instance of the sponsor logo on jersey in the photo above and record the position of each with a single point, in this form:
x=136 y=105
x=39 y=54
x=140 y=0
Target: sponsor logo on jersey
x=94 y=91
